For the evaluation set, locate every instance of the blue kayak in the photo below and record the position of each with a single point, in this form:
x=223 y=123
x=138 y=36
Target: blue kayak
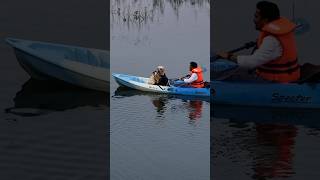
x=141 y=83
x=267 y=94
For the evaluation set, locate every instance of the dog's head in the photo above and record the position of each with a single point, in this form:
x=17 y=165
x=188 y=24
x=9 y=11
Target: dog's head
x=160 y=70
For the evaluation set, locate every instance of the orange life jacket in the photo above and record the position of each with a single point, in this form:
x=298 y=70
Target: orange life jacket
x=285 y=68
x=199 y=82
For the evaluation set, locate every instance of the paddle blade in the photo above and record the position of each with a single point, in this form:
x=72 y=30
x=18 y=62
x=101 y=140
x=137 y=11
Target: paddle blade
x=222 y=65
x=303 y=26
x=204 y=69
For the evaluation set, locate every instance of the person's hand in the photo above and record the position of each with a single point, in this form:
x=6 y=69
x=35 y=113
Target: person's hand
x=223 y=55
x=184 y=77
x=228 y=56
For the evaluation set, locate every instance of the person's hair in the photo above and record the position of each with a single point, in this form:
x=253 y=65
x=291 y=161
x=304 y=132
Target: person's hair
x=193 y=64
x=268 y=10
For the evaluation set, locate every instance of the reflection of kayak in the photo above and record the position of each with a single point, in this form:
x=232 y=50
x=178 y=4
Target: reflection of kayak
x=123 y=91
x=306 y=117
x=36 y=97
x=193 y=104
x=79 y=66
x=290 y=95
x=140 y=83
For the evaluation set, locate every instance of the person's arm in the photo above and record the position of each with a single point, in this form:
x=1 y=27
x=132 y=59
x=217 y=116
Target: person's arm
x=185 y=77
x=270 y=49
x=192 y=78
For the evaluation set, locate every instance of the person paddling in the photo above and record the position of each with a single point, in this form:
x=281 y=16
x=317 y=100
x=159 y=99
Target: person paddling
x=195 y=77
x=275 y=58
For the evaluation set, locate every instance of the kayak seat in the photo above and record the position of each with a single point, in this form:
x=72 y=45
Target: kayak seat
x=206 y=84
x=310 y=73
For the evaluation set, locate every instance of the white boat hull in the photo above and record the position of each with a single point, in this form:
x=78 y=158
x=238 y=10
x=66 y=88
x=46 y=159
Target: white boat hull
x=46 y=65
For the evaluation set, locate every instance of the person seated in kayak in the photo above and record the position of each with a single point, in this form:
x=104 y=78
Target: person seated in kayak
x=275 y=57
x=158 y=77
x=195 y=78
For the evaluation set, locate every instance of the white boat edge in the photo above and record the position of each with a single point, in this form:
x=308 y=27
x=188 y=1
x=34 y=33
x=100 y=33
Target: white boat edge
x=40 y=66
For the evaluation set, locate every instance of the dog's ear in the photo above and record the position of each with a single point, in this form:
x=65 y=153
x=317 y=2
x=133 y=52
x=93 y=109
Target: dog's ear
x=155 y=73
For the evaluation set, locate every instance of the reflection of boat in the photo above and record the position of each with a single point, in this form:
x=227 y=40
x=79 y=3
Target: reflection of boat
x=79 y=66
x=307 y=117
x=269 y=140
x=123 y=91
x=290 y=95
x=193 y=104
x=140 y=83
x=37 y=97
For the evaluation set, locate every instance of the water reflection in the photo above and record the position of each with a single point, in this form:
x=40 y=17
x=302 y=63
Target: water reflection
x=193 y=105
x=261 y=138
x=41 y=97
x=306 y=117
x=139 y=18
x=140 y=13
x=160 y=105
x=274 y=155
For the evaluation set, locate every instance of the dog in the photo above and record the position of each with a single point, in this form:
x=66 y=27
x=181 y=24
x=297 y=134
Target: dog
x=158 y=77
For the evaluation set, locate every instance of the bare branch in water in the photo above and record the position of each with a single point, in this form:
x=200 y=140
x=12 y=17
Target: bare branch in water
x=140 y=12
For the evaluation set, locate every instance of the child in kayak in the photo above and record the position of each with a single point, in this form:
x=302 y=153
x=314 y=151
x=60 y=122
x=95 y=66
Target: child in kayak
x=158 y=77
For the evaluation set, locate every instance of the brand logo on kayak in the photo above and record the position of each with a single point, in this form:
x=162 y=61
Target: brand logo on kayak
x=278 y=98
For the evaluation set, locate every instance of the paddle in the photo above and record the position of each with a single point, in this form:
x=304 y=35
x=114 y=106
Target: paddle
x=245 y=46
x=302 y=24
x=309 y=73
x=160 y=87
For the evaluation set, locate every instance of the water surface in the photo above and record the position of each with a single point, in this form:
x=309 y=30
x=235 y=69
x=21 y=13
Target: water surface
x=157 y=136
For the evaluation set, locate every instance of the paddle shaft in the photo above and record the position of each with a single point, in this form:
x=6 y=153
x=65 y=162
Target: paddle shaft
x=245 y=46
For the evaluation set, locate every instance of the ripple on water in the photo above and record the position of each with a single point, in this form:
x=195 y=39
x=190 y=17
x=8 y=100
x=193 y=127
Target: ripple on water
x=146 y=136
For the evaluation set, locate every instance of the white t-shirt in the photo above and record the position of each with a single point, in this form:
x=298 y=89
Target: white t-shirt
x=192 y=78
x=270 y=49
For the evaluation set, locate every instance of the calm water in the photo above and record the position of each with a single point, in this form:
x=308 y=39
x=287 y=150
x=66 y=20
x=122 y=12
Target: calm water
x=158 y=136
x=261 y=143
x=51 y=130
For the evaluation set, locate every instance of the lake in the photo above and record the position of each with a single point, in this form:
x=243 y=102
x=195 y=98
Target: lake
x=156 y=136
